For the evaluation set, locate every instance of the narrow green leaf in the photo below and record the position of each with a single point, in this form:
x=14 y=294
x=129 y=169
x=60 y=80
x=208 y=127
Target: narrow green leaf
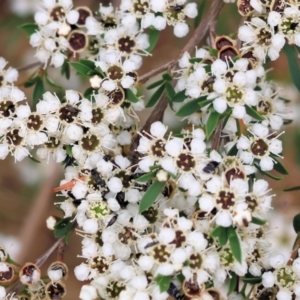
x=204 y=103
x=258 y=221
x=252 y=279
x=163 y=282
x=63 y=227
x=296 y=223
x=131 y=96
x=200 y=9
x=233 y=151
x=100 y=72
x=167 y=77
x=235 y=245
x=179 y=97
x=233 y=279
x=189 y=108
x=294 y=188
x=65 y=69
x=146 y=177
x=151 y=194
x=155 y=84
x=89 y=93
x=34 y=159
x=292 y=58
x=29 y=28
x=153 y=38
x=12 y=262
x=223 y=237
x=213 y=52
x=268 y=173
x=180 y=278
x=211 y=123
x=69 y=150
x=51 y=83
x=195 y=60
x=278 y=166
x=216 y=232
x=38 y=91
x=90 y=64
x=30 y=82
x=253 y=113
x=80 y=68
x=169 y=90
x=155 y=96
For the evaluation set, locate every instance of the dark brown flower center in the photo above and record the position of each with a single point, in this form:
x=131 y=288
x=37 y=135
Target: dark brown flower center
x=57 y=13
x=7 y=108
x=35 y=122
x=78 y=41
x=158 y=148
x=68 y=113
x=90 y=142
x=126 y=45
x=225 y=199
x=115 y=73
x=84 y=12
x=185 y=162
x=259 y=147
x=14 y=138
x=196 y=261
x=264 y=37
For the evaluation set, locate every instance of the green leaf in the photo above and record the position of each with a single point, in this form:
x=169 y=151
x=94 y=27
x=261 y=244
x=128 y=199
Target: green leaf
x=34 y=159
x=69 y=150
x=29 y=28
x=179 y=97
x=211 y=123
x=151 y=194
x=146 y=177
x=167 y=77
x=200 y=9
x=253 y=113
x=51 y=83
x=292 y=58
x=63 y=227
x=235 y=245
x=268 y=173
x=169 y=90
x=155 y=84
x=195 y=60
x=153 y=38
x=180 y=278
x=131 y=96
x=233 y=279
x=38 y=91
x=65 y=69
x=213 y=52
x=80 y=68
x=233 y=151
x=279 y=167
x=155 y=96
x=12 y=262
x=189 y=108
x=89 y=93
x=296 y=223
x=258 y=221
x=221 y=233
x=163 y=282
x=90 y=64
x=30 y=82
x=204 y=103
x=294 y=188
x=252 y=279
x=100 y=72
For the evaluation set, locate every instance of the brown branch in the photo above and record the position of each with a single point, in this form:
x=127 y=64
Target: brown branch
x=61 y=251
x=30 y=66
x=217 y=136
x=197 y=37
x=144 y=78
x=294 y=254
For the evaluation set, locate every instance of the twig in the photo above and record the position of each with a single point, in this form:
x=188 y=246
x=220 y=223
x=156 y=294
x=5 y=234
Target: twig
x=61 y=250
x=197 y=37
x=39 y=262
x=294 y=254
x=30 y=66
x=217 y=136
x=144 y=78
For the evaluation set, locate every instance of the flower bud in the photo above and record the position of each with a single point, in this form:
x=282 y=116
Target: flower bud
x=30 y=274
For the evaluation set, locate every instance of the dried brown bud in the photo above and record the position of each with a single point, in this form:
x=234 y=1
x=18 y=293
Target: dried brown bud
x=57 y=270
x=30 y=274
x=6 y=272
x=55 y=291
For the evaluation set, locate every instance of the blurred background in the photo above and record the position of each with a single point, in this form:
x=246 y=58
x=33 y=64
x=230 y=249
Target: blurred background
x=25 y=188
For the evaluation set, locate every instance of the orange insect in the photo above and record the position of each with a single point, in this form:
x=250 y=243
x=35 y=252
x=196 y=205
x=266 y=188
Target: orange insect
x=68 y=185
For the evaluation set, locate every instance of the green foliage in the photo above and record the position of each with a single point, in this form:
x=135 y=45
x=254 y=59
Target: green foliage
x=212 y=123
x=153 y=38
x=163 y=282
x=151 y=194
x=155 y=96
x=235 y=245
x=29 y=28
x=292 y=57
x=63 y=228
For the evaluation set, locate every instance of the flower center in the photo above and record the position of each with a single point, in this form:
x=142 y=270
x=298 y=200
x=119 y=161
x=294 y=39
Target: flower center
x=288 y=26
x=7 y=108
x=98 y=210
x=114 y=289
x=13 y=137
x=97 y=115
x=90 y=142
x=185 y=162
x=264 y=37
x=196 y=261
x=252 y=202
x=226 y=257
x=161 y=253
x=116 y=96
x=225 y=200
x=78 y=41
x=140 y=8
x=234 y=95
x=99 y=263
x=68 y=113
x=126 y=45
x=158 y=148
x=35 y=122
x=83 y=14
x=260 y=148
x=127 y=235
x=151 y=214
x=52 y=143
x=286 y=277
x=57 y=13
x=264 y=107
x=115 y=73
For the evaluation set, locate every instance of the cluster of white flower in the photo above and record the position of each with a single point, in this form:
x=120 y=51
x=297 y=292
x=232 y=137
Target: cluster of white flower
x=176 y=215
x=63 y=30
x=272 y=24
